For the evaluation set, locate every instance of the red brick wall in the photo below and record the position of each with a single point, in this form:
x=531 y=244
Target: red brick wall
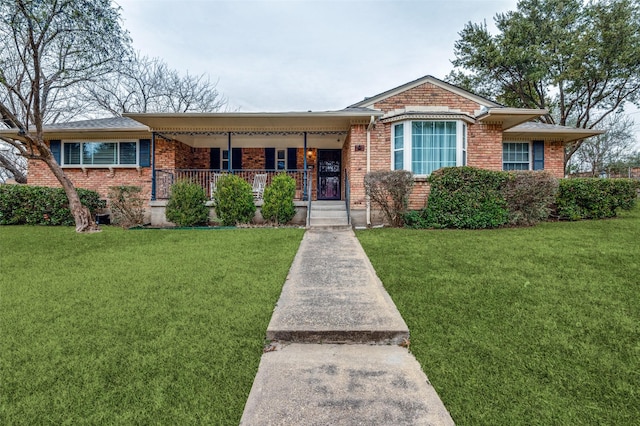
x=428 y=94
x=165 y=153
x=554 y=158
x=253 y=158
x=484 y=146
x=356 y=162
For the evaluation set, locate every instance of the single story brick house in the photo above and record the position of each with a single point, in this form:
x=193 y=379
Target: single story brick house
x=420 y=126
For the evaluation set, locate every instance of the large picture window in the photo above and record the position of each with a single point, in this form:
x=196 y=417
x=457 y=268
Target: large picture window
x=425 y=146
x=100 y=154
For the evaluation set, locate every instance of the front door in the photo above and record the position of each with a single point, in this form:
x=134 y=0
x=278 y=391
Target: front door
x=329 y=175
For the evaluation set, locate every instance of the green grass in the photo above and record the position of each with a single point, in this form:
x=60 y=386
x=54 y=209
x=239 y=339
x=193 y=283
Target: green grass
x=135 y=327
x=522 y=326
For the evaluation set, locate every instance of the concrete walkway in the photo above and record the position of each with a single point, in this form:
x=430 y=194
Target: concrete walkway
x=336 y=356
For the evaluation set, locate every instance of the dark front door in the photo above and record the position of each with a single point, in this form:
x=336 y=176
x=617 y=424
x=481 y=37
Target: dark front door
x=329 y=174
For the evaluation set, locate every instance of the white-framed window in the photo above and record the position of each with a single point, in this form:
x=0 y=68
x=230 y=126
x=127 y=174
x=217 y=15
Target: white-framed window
x=225 y=159
x=516 y=156
x=101 y=154
x=398 y=146
x=425 y=146
x=281 y=159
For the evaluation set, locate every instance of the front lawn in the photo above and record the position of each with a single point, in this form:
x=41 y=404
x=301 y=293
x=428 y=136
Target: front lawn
x=135 y=327
x=522 y=326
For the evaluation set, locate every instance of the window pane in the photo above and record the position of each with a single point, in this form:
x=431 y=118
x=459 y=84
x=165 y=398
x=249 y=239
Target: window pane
x=128 y=153
x=515 y=156
x=99 y=153
x=433 y=145
x=398 y=147
x=72 y=153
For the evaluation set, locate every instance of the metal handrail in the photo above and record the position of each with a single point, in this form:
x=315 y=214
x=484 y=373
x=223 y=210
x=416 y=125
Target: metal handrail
x=347 y=195
x=309 y=191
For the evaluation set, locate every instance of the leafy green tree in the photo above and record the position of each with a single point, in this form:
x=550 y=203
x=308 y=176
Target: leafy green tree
x=580 y=60
x=48 y=48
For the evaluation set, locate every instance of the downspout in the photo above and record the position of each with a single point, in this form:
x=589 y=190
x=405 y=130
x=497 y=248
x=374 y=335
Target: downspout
x=153 y=166
x=368 y=199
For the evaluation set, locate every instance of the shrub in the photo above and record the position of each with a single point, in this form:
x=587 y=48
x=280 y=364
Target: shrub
x=390 y=190
x=186 y=206
x=233 y=201
x=589 y=198
x=126 y=205
x=529 y=196
x=415 y=219
x=38 y=205
x=278 y=199
x=466 y=197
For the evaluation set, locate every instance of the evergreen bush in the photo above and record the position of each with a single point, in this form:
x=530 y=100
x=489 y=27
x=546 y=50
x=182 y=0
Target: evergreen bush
x=126 y=205
x=466 y=197
x=278 y=204
x=39 y=205
x=233 y=201
x=590 y=198
x=186 y=206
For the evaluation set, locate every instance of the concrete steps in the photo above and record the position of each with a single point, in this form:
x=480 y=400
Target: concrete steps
x=328 y=214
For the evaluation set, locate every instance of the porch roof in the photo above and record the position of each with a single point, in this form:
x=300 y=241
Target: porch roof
x=325 y=121
x=509 y=117
x=543 y=131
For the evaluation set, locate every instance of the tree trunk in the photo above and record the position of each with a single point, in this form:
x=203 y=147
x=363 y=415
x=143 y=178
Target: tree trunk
x=11 y=166
x=81 y=214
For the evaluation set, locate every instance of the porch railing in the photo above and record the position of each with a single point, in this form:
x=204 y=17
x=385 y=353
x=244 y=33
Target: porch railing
x=164 y=178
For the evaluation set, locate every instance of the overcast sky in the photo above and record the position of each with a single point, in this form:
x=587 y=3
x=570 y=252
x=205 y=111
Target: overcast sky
x=299 y=55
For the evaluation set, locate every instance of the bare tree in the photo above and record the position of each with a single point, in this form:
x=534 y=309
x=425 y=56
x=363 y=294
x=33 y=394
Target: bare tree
x=47 y=49
x=12 y=165
x=143 y=84
x=598 y=153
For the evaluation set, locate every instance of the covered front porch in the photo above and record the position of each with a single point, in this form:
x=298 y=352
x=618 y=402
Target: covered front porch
x=312 y=148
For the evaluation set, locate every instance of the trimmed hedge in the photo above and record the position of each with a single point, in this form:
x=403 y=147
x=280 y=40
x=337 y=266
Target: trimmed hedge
x=589 y=198
x=466 y=197
x=186 y=206
x=39 y=205
x=233 y=200
x=278 y=204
